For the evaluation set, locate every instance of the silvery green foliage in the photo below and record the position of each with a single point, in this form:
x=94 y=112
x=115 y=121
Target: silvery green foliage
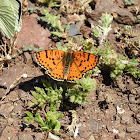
x=10 y=17
x=101 y=31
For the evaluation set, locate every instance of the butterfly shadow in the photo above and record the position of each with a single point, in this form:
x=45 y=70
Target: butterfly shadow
x=28 y=86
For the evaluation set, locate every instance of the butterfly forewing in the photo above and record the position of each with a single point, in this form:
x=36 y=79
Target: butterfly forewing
x=49 y=59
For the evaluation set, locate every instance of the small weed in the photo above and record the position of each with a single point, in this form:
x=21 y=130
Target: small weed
x=62 y=31
x=59 y=47
x=117 y=63
x=87 y=43
x=31 y=48
x=33 y=9
x=125 y=35
x=74 y=6
x=101 y=31
x=47 y=121
x=6 y=52
x=129 y=2
x=51 y=98
x=78 y=93
x=51 y=3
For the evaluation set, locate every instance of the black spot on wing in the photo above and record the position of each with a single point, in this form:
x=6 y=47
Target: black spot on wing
x=88 y=56
x=54 y=63
x=46 y=53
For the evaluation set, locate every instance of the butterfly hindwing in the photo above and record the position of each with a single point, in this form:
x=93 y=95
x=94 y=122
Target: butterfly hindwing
x=85 y=61
x=58 y=72
x=74 y=73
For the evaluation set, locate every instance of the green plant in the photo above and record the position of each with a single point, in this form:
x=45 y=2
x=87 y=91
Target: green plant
x=101 y=31
x=50 y=123
x=78 y=93
x=33 y=9
x=47 y=121
x=51 y=3
x=125 y=35
x=52 y=96
x=116 y=63
x=74 y=6
x=62 y=31
x=31 y=48
x=129 y=2
x=88 y=44
x=62 y=48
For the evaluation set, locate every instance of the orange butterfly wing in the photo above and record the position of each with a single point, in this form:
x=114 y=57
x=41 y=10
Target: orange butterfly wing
x=82 y=63
x=74 y=73
x=51 y=60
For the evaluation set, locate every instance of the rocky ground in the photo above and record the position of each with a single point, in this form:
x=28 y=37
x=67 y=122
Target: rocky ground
x=114 y=109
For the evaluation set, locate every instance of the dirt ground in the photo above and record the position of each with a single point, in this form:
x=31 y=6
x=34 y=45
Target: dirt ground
x=114 y=112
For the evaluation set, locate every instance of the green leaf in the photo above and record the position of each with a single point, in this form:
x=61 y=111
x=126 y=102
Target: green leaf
x=32 y=45
x=25 y=48
x=58 y=34
x=39 y=120
x=30 y=117
x=10 y=17
x=36 y=50
x=41 y=48
x=135 y=63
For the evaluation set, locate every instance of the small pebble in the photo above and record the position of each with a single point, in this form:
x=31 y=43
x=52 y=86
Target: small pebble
x=109 y=128
x=125 y=118
x=120 y=110
x=115 y=131
x=138 y=117
x=132 y=99
x=28 y=58
x=131 y=129
x=95 y=126
x=91 y=138
x=121 y=135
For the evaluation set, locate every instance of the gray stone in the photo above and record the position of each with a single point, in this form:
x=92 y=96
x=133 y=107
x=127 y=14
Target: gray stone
x=91 y=137
x=131 y=129
x=138 y=117
x=6 y=109
x=94 y=126
x=109 y=128
x=132 y=99
x=125 y=118
x=121 y=135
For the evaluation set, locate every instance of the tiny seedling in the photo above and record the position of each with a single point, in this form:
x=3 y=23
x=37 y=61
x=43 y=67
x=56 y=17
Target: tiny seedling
x=74 y=6
x=31 y=48
x=62 y=31
x=101 y=31
x=51 y=3
x=129 y=2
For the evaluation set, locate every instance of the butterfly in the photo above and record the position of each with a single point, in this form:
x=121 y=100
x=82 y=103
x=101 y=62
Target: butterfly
x=66 y=66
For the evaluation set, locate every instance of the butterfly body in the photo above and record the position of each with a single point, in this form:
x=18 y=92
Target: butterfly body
x=68 y=65
x=67 y=62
